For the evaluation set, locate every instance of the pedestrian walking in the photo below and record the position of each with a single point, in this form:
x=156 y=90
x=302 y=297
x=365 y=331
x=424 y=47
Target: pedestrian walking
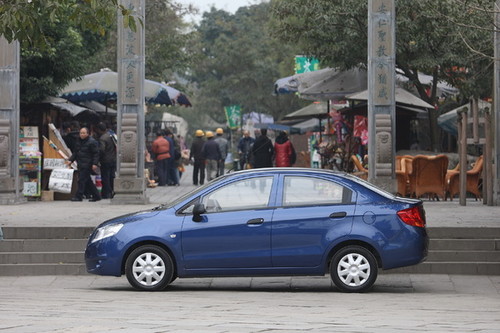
x=173 y=162
x=86 y=155
x=212 y=155
x=107 y=160
x=196 y=156
x=263 y=151
x=284 y=153
x=161 y=152
x=223 y=147
x=71 y=134
x=244 y=149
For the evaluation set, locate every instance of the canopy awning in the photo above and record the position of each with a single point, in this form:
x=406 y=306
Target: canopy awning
x=64 y=105
x=98 y=107
x=448 y=121
x=324 y=84
x=313 y=110
x=402 y=97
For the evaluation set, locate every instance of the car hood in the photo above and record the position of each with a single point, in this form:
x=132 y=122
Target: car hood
x=131 y=217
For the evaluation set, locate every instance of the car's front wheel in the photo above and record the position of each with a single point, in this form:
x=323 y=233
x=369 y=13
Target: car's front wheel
x=149 y=267
x=353 y=269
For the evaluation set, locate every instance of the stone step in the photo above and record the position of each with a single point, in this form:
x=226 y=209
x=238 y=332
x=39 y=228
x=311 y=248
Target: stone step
x=59 y=251
x=467 y=268
x=46 y=232
x=84 y=232
x=465 y=244
x=42 y=269
x=464 y=233
x=42 y=257
x=463 y=256
x=42 y=245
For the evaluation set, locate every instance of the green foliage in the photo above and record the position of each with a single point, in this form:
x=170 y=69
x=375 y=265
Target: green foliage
x=44 y=71
x=166 y=39
x=431 y=36
x=24 y=20
x=448 y=39
x=237 y=63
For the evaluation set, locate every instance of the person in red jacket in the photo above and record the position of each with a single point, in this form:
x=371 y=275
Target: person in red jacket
x=161 y=150
x=284 y=153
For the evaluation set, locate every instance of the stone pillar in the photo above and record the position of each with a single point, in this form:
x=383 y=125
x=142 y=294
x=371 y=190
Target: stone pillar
x=130 y=184
x=10 y=185
x=381 y=94
x=496 y=109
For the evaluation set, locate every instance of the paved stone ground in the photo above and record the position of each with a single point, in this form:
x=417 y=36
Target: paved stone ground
x=397 y=303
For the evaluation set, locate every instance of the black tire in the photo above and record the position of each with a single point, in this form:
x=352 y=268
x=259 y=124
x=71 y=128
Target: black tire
x=353 y=269
x=149 y=268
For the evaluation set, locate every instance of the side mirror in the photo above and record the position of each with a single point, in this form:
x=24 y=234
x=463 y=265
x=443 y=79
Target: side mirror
x=198 y=209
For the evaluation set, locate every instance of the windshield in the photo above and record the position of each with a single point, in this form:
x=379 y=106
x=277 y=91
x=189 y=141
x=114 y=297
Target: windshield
x=188 y=194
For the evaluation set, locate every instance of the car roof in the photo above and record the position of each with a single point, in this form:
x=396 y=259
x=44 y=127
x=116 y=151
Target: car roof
x=286 y=170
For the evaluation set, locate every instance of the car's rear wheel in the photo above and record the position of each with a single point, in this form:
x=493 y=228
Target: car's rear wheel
x=149 y=267
x=353 y=269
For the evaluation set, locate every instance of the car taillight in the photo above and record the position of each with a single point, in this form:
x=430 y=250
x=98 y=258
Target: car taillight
x=414 y=216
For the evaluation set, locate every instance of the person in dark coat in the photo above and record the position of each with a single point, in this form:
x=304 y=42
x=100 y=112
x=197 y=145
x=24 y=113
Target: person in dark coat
x=263 y=151
x=107 y=160
x=72 y=134
x=196 y=156
x=284 y=153
x=212 y=155
x=223 y=146
x=245 y=148
x=173 y=172
x=86 y=155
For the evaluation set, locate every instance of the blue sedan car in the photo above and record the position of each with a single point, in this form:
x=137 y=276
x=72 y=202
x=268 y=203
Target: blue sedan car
x=265 y=222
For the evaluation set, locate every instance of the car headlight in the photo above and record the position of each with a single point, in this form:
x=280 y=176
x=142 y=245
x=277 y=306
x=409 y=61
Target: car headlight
x=107 y=231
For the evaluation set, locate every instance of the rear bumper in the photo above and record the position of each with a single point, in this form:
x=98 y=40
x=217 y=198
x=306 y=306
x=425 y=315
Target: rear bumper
x=409 y=249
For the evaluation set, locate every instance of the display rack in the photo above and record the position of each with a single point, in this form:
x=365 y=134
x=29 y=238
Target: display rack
x=30 y=171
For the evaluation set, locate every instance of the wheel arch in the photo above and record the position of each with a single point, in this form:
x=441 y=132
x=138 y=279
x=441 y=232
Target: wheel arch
x=345 y=243
x=148 y=242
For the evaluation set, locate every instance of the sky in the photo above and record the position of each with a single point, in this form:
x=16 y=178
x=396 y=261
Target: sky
x=227 y=5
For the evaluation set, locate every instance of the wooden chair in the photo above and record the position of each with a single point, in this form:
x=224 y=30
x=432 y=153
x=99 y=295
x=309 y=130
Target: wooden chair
x=428 y=175
x=360 y=170
x=403 y=168
x=473 y=179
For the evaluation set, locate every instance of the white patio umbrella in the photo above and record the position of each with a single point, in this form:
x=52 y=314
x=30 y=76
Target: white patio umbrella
x=103 y=86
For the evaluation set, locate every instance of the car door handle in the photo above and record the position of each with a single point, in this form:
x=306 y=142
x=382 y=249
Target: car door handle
x=256 y=221
x=338 y=215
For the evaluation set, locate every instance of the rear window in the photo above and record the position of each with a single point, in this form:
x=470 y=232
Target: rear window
x=302 y=191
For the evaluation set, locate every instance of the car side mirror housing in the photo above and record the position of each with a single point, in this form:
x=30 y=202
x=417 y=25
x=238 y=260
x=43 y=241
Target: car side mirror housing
x=198 y=209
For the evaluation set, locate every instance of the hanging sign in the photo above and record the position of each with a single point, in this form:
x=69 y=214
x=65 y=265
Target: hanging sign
x=305 y=64
x=61 y=180
x=233 y=115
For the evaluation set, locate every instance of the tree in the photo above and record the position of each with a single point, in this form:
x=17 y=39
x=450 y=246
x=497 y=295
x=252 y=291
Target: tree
x=20 y=19
x=44 y=72
x=167 y=37
x=237 y=63
x=433 y=37
x=69 y=51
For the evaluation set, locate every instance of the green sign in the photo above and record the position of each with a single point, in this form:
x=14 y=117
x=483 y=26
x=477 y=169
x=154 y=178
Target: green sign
x=305 y=64
x=233 y=115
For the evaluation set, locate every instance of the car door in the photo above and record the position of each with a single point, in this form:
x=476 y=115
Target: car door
x=236 y=229
x=314 y=212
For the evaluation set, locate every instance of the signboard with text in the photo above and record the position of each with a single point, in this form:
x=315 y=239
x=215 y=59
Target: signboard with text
x=233 y=115
x=305 y=64
x=61 y=180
